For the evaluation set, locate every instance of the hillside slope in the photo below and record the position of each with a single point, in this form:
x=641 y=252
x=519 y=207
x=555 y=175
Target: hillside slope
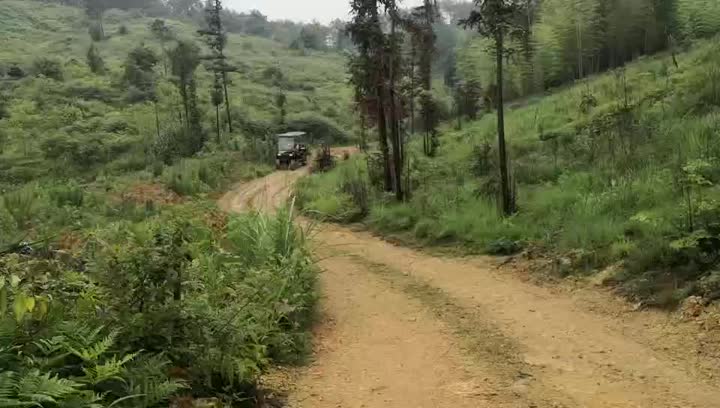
x=316 y=81
x=621 y=167
x=94 y=109
x=121 y=283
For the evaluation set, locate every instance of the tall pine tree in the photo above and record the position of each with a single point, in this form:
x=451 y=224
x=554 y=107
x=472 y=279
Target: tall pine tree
x=216 y=40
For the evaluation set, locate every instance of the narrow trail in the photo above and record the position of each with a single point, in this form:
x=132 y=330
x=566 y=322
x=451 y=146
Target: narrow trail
x=401 y=328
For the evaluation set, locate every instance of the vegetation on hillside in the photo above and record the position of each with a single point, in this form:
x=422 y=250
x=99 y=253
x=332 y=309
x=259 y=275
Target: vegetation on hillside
x=618 y=168
x=121 y=283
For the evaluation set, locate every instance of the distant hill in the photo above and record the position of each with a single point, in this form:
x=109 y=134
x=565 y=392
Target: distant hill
x=38 y=111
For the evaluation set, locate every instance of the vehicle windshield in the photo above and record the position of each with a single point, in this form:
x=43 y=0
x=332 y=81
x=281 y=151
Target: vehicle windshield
x=285 y=144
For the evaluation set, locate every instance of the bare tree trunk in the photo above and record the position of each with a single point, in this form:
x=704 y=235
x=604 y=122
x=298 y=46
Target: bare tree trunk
x=506 y=195
x=164 y=58
x=394 y=119
x=157 y=120
x=186 y=104
x=382 y=134
x=102 y=28
x=217 y=122
x=581 y=71
x=412 y=89
x=227 y=102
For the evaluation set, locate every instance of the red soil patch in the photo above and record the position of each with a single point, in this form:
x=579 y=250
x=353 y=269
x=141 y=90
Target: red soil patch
x=155 y=193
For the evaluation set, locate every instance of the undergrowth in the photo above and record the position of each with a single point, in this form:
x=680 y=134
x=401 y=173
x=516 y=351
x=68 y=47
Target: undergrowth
x=183 y=302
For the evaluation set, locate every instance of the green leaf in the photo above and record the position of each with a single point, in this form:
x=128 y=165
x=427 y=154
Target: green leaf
x=30 y=303
x=2 y=282
x=19 y=306
x=14 y=281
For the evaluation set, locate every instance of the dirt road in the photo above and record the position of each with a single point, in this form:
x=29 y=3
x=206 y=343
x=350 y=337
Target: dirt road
x=401 y=328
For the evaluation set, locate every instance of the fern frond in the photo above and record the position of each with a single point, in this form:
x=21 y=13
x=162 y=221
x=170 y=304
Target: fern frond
x=92 y=353
x=13 y=403
x=8 y=385
x=110 y=370
x=155 y=392
x=83 y=399
x=37 y=387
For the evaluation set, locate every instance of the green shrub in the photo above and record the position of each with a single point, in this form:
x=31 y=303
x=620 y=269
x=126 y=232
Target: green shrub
x=184 y=178
x=223 y=344
x=67 y=194
x=8 y=226
x=96 y=32
x=343 y=195
x=48 y=68
x=22 y=204
x=337 y=207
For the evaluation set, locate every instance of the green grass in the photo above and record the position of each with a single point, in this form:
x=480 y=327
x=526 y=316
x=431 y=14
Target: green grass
x=597 y=187
x=86 y=111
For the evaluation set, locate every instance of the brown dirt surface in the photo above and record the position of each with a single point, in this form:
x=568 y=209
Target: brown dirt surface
x=402 y=328
x=150 y=192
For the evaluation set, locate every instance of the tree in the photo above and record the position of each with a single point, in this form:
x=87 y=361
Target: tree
x=498 y=20
x=423 y=40
x=314 y=36
x=394 y=64
x=280 y=102
x=367 y=71
x=339 y=35
x=163 y=34
x=375 y=73
x=95 y=61
x=140 y=76
x=216 y=40
x=185 y=8
x=184 y=60
x=95 y=10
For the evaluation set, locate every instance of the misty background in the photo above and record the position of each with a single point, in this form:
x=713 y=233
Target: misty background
x=323 y=11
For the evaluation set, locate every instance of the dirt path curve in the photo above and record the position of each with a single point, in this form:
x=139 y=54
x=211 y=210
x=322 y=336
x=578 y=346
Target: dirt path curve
x=405 y=329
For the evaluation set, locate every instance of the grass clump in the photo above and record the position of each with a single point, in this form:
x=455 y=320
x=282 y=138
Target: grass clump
x=343 y=195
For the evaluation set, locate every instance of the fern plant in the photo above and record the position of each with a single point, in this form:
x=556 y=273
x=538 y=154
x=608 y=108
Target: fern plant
x=73 y=365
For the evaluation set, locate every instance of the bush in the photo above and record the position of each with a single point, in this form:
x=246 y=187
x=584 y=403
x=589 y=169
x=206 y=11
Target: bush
x=48 y=68
x=67 y=194
x=8 y=226
x=184 y=178
x=343 y=195
x=96 y=32
x=22 y=204
x=208 y=335
x=15 y=72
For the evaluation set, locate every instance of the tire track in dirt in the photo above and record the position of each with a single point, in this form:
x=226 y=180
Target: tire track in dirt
x=402 y=328
x=568 y=350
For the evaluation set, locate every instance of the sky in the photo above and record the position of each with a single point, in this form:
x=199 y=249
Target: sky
x=323 y=11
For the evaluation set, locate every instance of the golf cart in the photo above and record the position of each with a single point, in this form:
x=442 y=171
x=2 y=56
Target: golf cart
x=292 y=152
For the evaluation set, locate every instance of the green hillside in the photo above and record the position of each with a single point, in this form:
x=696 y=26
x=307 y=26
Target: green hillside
x=121 y=283
x=37 y=109
x=621 y=167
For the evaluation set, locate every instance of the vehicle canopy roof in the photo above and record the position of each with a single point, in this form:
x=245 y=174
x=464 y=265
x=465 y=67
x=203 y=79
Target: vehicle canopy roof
x=292 y=134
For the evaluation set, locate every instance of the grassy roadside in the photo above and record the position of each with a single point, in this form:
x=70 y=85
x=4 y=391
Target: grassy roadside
x=621 y=168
